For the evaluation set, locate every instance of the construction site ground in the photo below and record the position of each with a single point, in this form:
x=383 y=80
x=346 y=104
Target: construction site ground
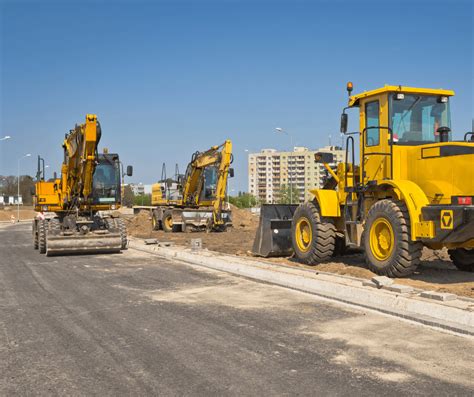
x=6 y=213
x=436 y=272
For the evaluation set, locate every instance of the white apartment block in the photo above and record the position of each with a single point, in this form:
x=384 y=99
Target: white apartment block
x=270 y=169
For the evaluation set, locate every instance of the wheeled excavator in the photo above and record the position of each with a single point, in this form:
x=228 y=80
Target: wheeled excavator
x=75 y=209
x=195 y=200
x=412 y=188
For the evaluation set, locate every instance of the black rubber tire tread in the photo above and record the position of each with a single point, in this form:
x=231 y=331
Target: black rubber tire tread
x=463 y=259
x=35 y=236
x=155 y=222
x=42 y=224
x=167 y=229
x=340 y=248
x=323 y=232
x=54 y=226
x=406 y=255
x=123 y=232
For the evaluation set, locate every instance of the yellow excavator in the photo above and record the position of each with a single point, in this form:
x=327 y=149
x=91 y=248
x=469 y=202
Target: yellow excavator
x=71 y=207
x=413 y=188
x=195 y=200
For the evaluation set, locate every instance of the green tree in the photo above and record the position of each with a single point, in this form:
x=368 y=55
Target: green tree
x=142 y=199
x=287 y=195
x=128 y=197
x=243 y=200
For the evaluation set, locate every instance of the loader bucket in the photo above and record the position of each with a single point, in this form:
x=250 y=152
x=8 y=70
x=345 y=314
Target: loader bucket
x=273 y=236
x=83 y=244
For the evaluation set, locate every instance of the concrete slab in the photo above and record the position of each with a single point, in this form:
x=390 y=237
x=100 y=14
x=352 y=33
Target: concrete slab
x=440 y=296
x=401 y=289
x=382 y=281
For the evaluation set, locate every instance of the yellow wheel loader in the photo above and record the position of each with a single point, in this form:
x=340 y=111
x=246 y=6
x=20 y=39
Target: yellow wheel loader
x=195 y=200
x=72 y=217
x=413 y=187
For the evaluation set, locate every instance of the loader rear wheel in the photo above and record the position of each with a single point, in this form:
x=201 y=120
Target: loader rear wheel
x=389 y=250
x=42 y=236
x=313 y=236
x=168 y=221
x=463 y=259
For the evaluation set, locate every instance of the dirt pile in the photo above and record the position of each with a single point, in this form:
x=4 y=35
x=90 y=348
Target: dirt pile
x=242 y=218
x=139 y=225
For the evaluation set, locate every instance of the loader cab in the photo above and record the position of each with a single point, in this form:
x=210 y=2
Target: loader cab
x=393 y=117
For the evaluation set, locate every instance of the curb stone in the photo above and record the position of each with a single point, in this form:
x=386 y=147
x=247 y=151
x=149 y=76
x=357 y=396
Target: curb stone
x=454 y=315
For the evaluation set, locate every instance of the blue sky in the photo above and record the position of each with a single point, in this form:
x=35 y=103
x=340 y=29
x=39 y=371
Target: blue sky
x=171 y=77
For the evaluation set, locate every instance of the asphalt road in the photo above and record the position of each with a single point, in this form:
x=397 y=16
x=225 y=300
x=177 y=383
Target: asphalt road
x=134 y=324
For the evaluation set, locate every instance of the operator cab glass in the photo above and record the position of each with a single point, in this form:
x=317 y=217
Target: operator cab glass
x=415 y=119
x=106 y=182
x=209 y=190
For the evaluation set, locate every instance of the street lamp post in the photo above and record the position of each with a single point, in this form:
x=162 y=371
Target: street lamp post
x=4 y=139
x=290 y=171
x=18 y=196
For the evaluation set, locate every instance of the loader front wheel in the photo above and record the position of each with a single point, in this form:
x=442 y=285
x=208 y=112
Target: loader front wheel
x=389 y=250
x=313 y=236
x=168 y=221
x=463 y=259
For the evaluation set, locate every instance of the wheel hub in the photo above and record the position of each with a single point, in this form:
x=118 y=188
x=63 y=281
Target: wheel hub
x=304 y=234
x=382 y=239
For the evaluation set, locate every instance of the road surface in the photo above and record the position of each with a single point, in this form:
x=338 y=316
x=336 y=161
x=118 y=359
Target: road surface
x=135 y=324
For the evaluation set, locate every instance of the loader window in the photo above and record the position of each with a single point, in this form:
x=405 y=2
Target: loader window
x=415 y=118
x=372 y=136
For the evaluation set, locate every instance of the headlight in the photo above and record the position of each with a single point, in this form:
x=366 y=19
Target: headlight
x=112 y=207
x=44 y=207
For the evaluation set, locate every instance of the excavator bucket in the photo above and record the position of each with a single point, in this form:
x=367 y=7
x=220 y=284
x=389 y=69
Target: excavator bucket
x=273 y=236
x=84 y=244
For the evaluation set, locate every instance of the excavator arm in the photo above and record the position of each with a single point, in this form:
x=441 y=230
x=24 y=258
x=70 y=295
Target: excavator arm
x=219 y=157
x=80 y=159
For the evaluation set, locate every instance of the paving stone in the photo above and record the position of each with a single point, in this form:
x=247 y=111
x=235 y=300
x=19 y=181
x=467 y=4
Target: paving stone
x=401 y=289
x=381 y=281
x=150 y=241
x=369 y=283
x=440 y=296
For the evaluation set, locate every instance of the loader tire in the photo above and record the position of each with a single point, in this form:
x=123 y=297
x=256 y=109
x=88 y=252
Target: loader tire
x=42 y=236
x=389 y=250
x=123 y=232
x=463 y=259
x=167 y=221
x=313 y=236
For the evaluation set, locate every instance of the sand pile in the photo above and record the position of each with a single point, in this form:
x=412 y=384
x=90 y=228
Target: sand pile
x=242 y=218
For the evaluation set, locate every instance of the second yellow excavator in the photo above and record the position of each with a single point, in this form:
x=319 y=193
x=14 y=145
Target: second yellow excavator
x=195 y=200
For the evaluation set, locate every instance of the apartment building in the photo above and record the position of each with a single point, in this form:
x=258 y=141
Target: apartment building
x=269 y=170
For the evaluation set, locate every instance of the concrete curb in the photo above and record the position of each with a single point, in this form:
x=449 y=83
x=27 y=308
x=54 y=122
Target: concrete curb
x=453 y=315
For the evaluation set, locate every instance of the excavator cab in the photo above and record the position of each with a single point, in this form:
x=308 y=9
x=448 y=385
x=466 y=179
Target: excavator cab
x=106 y=181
